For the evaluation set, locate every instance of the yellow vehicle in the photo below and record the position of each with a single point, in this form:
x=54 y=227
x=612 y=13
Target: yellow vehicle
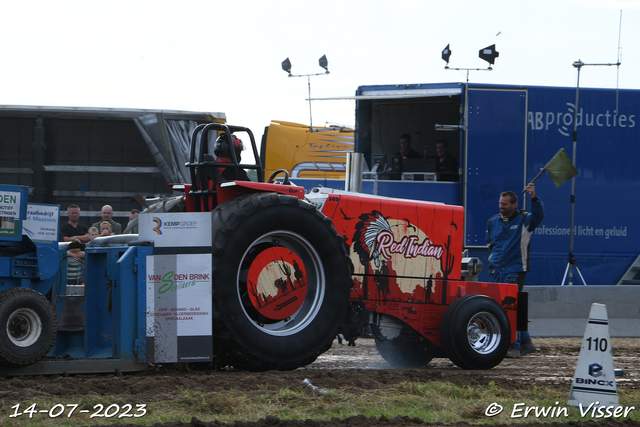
x=307 y=153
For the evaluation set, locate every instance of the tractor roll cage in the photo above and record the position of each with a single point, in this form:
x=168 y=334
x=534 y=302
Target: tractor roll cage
x=204 y=169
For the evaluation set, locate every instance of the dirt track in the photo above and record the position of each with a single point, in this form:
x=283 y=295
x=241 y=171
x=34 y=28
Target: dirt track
x=341 y=368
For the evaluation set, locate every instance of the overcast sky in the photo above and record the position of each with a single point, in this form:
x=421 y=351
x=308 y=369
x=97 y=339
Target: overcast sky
x=225 y=56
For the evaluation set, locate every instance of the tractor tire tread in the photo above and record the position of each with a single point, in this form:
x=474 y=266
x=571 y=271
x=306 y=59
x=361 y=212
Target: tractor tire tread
x=227 y=217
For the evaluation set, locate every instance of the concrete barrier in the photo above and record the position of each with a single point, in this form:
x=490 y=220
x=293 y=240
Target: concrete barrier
x=562 y=311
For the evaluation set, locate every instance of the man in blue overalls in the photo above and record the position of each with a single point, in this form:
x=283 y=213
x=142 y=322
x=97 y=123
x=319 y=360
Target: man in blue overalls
x=508 y=239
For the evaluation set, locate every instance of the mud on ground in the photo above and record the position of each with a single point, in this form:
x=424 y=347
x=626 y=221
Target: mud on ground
x=344 y=368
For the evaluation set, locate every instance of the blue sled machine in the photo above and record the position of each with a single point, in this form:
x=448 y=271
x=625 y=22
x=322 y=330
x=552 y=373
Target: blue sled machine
x=46 y=317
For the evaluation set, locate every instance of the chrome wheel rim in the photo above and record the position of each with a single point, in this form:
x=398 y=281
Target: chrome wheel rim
x=484 y=333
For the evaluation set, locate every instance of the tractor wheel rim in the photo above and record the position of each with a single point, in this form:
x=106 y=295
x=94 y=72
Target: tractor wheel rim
x=308 y=306
x=24 y=327
x=483 y=333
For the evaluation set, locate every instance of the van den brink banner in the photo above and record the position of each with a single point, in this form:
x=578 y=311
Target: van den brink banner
x=179 y=304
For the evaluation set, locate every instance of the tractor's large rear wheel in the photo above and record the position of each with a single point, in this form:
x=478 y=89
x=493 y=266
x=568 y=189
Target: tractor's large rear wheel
x=28 y=326
x=281 y=282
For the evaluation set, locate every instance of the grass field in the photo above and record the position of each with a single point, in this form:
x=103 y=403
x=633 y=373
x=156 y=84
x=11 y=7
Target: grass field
x=432 y=402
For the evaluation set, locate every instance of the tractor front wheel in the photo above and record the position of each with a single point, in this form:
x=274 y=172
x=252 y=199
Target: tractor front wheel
x=475 y=332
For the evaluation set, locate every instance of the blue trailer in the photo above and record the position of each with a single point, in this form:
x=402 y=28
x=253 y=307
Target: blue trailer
x=502 y=136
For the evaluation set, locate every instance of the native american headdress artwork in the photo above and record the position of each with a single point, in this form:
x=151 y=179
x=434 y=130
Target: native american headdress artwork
x=365 y=242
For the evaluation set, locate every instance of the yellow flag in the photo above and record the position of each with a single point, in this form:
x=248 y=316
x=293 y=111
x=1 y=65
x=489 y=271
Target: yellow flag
x=560 y=168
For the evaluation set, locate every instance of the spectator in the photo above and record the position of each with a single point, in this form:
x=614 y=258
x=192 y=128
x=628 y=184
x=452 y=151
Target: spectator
x=105 y=229
x=76 y=249
x=446 y=164
x=93 y=233
x=73 y=229
x=75 y=263
x=107 y=215
x=132 y=226
x=508 y=239
x=405 y=148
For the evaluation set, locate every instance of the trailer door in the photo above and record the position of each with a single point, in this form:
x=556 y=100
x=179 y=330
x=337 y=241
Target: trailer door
x=495 y=155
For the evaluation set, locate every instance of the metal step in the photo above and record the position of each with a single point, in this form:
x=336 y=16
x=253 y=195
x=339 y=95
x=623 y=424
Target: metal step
x=632 y=275
x=77 y=290
x=71 y=313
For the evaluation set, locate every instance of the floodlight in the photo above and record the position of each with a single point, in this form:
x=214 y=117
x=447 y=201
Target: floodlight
x=286 y=65
x=324 y=63
x=489 y=54
x=446 y=53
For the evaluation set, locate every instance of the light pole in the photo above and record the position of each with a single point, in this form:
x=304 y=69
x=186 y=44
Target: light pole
x=324 y=63
x=488 y=53
x=572 y=261
x=578 y=65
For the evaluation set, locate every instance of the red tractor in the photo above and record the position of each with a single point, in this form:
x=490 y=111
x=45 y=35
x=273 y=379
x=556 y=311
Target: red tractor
x=292 y=269
x=253 y=275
